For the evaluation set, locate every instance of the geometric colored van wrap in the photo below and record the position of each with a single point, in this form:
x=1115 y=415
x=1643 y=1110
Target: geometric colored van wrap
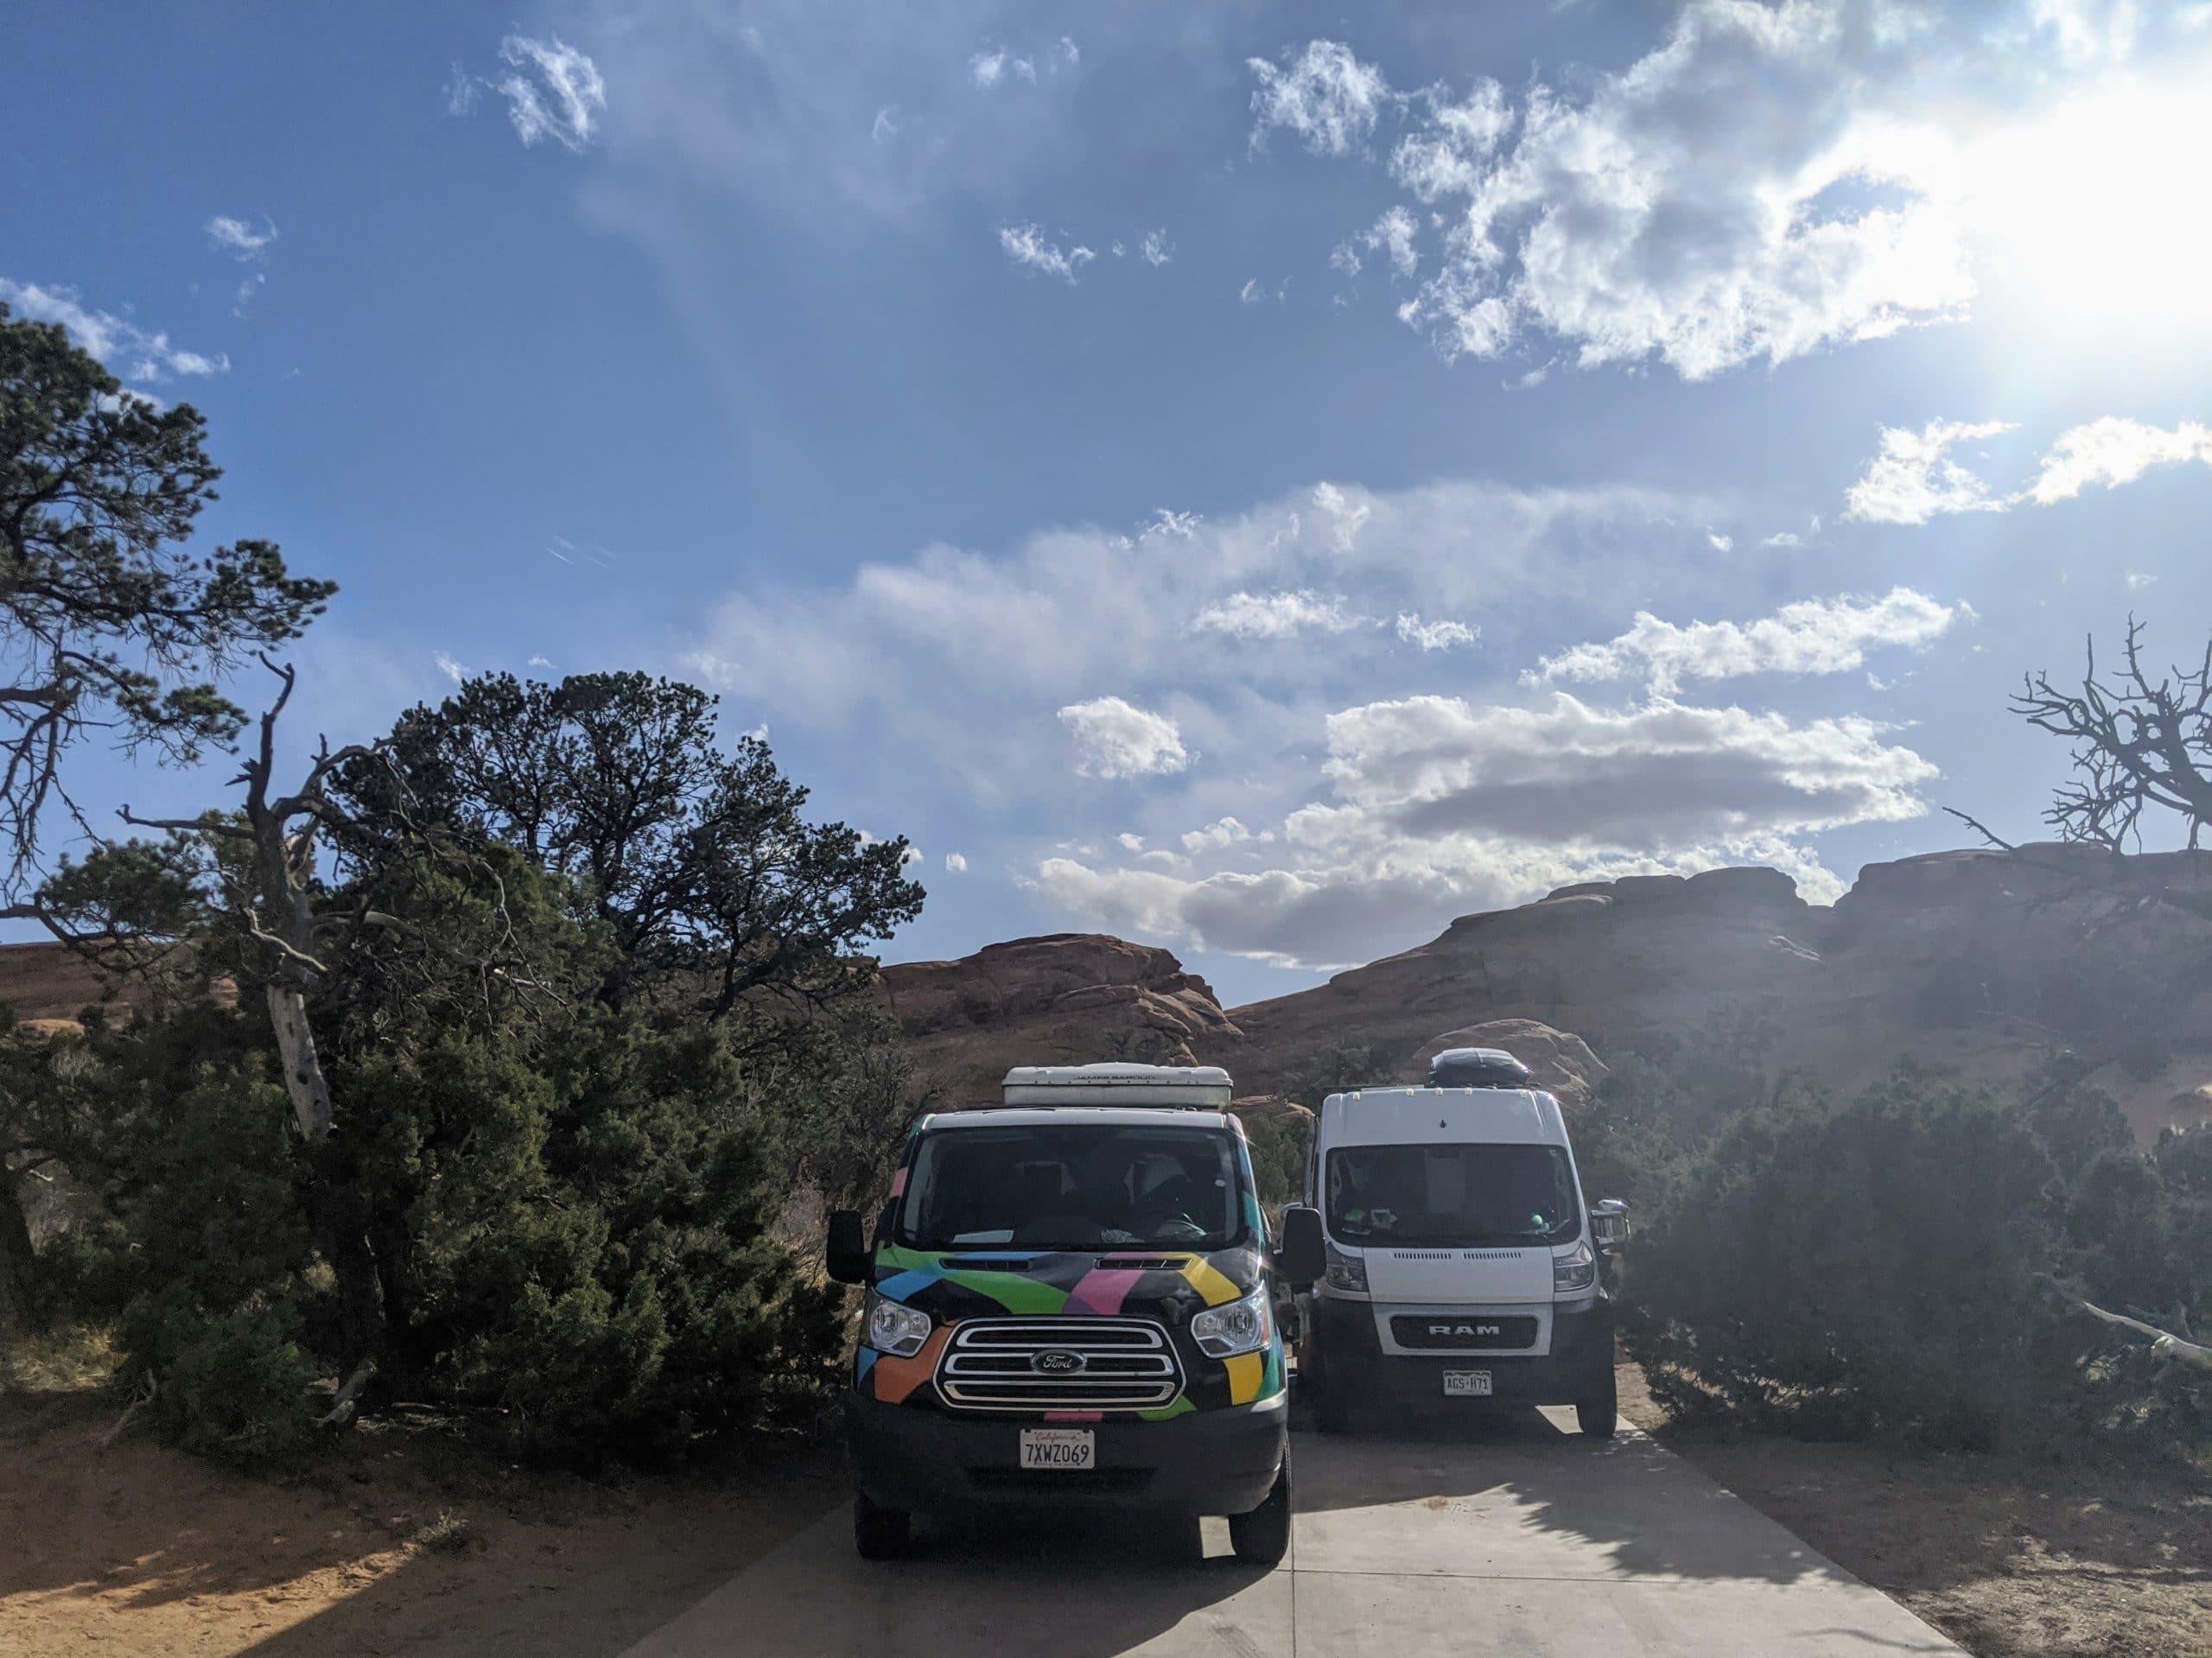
x=1165 y=1284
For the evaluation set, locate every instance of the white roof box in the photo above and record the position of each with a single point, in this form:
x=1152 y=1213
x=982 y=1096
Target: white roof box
x=1198 y=1087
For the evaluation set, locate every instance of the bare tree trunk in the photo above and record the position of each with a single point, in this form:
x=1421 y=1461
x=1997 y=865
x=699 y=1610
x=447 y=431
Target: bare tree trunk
x=303 y=1077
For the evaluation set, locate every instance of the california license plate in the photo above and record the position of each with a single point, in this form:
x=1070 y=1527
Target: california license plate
x=1466 y=1384
x=1067 y=1449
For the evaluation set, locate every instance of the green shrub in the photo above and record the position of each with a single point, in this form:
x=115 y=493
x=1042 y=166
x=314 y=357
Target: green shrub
x=1280 y=1136
x=232 y=1385
x=1879 y=1265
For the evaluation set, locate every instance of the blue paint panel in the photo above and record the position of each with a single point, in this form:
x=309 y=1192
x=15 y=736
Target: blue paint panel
x=899 y=1287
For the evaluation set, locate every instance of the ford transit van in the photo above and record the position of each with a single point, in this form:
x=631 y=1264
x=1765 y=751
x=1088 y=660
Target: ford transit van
x=1070 y=1302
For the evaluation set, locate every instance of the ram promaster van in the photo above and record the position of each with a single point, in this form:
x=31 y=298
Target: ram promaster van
x=1461 y=1263
x=1070 y=1302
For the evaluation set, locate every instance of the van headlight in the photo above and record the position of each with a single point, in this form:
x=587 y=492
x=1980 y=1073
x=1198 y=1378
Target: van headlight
x=1574 y=1269
x=1239 y=1327
x=895 y=1328
x=1346 y=1273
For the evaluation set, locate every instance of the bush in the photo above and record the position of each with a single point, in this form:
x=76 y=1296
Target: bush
x=233 y=1386
x=1280 y=1135
x=1880 y=1265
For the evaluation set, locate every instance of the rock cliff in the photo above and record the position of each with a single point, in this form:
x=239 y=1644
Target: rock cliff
x=1968 y=961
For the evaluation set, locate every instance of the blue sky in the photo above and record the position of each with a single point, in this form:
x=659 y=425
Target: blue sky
x=1261 y=479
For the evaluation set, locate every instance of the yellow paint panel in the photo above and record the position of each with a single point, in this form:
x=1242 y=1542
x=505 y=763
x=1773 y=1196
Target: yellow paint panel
x=1215 y=1288
x=1245 y=1371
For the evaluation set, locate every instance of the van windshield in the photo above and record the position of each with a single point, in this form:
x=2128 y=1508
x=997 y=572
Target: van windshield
x=1437 y=1195
x=1072 y=1186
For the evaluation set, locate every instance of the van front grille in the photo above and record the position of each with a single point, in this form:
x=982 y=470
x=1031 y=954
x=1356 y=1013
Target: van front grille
x=1054 y=1364
x=1463 y=1333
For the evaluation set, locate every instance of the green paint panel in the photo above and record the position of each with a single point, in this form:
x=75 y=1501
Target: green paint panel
x=1182 y=1407
x=892 y=1255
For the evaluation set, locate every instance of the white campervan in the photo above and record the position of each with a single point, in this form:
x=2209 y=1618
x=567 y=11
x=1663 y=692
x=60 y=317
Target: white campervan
x=1462 y=1262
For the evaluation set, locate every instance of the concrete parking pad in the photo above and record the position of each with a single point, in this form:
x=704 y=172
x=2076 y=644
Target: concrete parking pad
x=1506 y=1535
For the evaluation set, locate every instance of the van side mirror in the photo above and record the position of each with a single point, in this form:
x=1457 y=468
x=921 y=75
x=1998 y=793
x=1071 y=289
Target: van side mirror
x=1304 y=1254
x=1609 y=1224
x=849 y=1257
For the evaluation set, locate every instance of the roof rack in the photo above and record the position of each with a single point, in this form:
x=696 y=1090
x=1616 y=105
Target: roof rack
x=1189 y=1088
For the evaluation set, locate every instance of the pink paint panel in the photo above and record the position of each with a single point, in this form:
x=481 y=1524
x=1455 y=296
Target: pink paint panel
x=1101 y=1290
x=1075 y=1415
x=899 y=1183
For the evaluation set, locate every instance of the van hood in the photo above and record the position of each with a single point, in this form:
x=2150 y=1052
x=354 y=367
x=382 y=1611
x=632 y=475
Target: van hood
x=1459 y=1277
x=1166 y=1285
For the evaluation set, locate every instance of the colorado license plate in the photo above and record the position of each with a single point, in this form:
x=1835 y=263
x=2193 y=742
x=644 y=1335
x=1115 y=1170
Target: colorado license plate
x=1067 y=1448
x=1466 y=1384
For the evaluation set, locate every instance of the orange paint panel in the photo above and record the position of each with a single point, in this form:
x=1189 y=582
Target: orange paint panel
x=895 y=1378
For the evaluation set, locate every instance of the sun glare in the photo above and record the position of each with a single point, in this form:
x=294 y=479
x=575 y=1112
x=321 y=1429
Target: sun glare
x=2096 y=216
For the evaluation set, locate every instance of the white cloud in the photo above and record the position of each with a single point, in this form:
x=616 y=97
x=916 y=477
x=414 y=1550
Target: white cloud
x=2138 y=579
x=1118 y=739
x=1446 y=156
x=1324 y=94
x=129 y=352
x=1816 y=636
x=1782 y=538
x=1719 y=543
x=1155 y=249
x=448 y=667
x=1439 y=635
x=2114 y=451
x=1222 y=832
x=954 y=864
x=885 y=127
x=1026 y=245
x=1129 y=841
x=237 y=236
x=1394 y=234
x=907 y=657
x=910 y=857
x=1749 y=190
x=987 y=69
x=553 y=91
x=1345 y=515
x=1442 y=806
x=1913 y=478
x=1276 y=615
x=1251 y=293
x=462 y=90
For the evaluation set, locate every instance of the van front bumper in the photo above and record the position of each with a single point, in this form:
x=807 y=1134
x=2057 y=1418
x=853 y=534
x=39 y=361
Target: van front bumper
x=1351 y=1357
x=918 y=1457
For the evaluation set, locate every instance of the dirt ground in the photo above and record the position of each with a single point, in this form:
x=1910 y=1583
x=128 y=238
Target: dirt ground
x=2011 y=1560
x=136 y=1549
x=403 y=1544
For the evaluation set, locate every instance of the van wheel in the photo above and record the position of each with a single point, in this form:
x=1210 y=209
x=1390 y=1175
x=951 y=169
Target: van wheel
x=880 y=1533
x=1323 y=1397
x=1599 y=1413
x=1262 y=1537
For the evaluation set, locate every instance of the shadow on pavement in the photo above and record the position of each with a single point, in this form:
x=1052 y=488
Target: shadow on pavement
x=1523 y=1489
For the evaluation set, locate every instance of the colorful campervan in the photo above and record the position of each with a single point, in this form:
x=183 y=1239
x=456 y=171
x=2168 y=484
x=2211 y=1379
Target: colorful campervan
x=1070 y=1300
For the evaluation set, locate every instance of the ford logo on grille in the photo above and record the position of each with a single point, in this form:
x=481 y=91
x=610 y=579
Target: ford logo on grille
x=1056 y=1361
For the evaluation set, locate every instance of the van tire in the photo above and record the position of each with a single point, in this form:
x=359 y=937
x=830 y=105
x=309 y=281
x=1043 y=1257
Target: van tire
x=1323 y=1396
x=1599 y=1414
x=1262 y=1537
x=880 y=1533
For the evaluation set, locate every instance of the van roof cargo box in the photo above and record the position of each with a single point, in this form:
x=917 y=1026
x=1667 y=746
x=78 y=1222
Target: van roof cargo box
x=1477 y=1068
x=1192 y=1088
